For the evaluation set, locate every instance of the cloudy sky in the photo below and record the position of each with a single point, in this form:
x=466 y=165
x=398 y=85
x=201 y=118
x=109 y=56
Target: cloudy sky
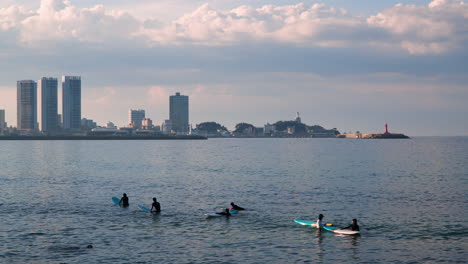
x=353 y=65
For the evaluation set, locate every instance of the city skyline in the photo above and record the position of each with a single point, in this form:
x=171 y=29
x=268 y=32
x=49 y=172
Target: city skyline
x=354 y=66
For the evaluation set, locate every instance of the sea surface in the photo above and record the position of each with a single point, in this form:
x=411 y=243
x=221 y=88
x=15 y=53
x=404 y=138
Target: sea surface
x=410 y=197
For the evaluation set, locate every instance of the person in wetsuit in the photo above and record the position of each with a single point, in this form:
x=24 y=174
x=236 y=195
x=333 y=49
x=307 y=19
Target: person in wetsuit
x=124 y=200
x=353 y=226
x=225 y=212
x=156 y=206
x=319 y=223
x=235 y=207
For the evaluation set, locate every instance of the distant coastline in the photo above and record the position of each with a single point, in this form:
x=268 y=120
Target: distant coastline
x=156 y=137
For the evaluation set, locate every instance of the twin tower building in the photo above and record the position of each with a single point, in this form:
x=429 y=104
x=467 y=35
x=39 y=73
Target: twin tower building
x=28 y=98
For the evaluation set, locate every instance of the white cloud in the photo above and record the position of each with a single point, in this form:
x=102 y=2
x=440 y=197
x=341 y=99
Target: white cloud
x=57 y=20
x=436 y=28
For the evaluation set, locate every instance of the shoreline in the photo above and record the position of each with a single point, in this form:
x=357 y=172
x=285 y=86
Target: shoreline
x=188 y=137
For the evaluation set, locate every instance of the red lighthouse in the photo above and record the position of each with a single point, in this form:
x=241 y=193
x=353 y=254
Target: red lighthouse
x=386 y=129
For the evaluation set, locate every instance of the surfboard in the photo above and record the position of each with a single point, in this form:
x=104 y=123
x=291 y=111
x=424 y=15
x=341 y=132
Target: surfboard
x=305 y=222
x=309 y=223
x=116 y=200
x=232 y=212
x=143 y=208
x=336 y=230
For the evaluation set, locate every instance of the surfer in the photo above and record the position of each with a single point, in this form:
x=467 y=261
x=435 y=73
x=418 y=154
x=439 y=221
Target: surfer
x=235 y=207
x=124 y=200
x=353 y=226
x=319 y=223
x=225 y=212
x=156 y=206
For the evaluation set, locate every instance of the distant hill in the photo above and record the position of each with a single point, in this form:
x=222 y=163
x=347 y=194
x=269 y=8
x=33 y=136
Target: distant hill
x=211 y=127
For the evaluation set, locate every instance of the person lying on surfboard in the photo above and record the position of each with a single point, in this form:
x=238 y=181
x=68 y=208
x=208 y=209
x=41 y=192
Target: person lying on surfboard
x=124 y=200
x=236 y=207
x=156 y=206
x=353 y=226
x=225 y=212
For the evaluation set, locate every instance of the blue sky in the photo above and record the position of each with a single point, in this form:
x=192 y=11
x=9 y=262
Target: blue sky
x=353 y=65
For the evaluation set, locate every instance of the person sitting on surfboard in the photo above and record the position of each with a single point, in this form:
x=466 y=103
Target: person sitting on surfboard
x=235 y=207
x=124 y=200
x=354 y=226
x=156 y=206
x=225 y=212
x=319 y=223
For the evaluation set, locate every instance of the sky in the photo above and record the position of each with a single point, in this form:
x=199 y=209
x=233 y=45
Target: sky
x=350 y=65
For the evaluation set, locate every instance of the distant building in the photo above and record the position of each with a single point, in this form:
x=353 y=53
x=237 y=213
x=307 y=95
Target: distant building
x=269 y=129
x=166 y=127
x=135 y=117
x=49 y=101
x=179 y=113
x=249 y=131
x=71 y=102
x=2 y=120
x=298 y=118
x=102 y=131
x=87 y=124
x=147 y=123
x=110 y=125
x=59 y=121
x=128 y=130
x=26 y=105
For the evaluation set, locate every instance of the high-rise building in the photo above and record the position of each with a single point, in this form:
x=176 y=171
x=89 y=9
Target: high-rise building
x=26 y=105
x=179 y=113
x=49 y=109
x=71 y=102
x=2 y=120
x=135 y=117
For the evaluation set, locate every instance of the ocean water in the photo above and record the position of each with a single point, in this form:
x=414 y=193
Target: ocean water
x=409 y=196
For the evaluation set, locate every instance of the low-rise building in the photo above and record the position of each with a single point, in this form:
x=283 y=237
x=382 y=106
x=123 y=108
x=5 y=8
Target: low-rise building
x=147 y=124
x=166 y=127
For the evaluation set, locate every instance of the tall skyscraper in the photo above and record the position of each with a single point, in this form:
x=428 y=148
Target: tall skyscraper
x=179 y=113
x=48 y=91
x=135 y=117
x=26 y=105
x=71 y=102
x=2 y=120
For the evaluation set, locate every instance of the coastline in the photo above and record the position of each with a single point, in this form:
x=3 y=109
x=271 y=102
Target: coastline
x=180 y=137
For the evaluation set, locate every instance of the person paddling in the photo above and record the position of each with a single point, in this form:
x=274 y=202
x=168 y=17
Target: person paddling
x=124 y=200
x=353 y=226
x=225 y=212
x=236 y=207
x=156 y=206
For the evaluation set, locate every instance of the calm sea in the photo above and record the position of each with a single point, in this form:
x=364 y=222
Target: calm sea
x=410 y=198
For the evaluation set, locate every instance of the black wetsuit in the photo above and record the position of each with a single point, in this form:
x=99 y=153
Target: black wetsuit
x=156 y=206
x=124 y=201
x=354 y=227
x=238 y=208
x=224 y=213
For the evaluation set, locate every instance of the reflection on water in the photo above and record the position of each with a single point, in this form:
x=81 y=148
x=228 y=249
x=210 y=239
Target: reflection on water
x=55 y=199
